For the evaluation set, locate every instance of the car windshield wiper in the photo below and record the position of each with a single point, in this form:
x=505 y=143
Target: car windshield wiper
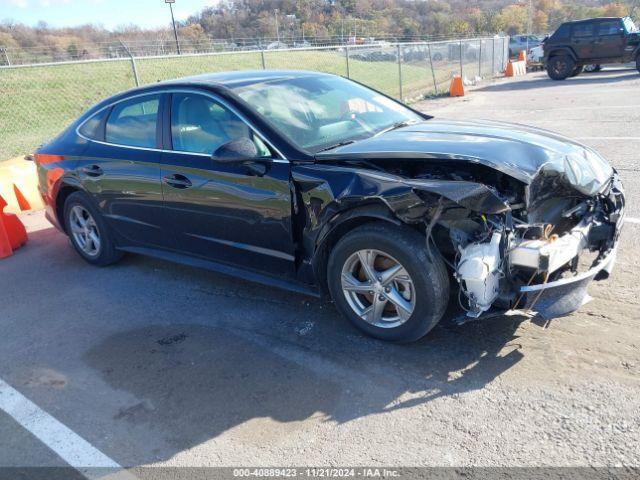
x=395 y=126
x=339 y=144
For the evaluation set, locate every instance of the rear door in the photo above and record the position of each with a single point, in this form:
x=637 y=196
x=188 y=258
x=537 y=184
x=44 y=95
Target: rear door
x=582 y=37
x=610 y=40
x=236 y=213
x=121 y=170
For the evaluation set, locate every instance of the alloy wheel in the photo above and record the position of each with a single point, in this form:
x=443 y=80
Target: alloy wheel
x=84 y=231
x=378 y=288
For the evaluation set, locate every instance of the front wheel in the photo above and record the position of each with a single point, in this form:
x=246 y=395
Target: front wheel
x=384 y=281
x=560 y=67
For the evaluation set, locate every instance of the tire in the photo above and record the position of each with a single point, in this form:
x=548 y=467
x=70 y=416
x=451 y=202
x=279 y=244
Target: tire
x=638 y=63
x=79 y=205
x=437 y=57
x=560 y=67
x=577 y=71
x=427 y=288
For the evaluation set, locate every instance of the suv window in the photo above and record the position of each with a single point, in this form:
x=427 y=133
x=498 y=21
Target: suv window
x=562 y=33
x=583 y=30
x=609 y=27
x=201 y=125
x=133 y=122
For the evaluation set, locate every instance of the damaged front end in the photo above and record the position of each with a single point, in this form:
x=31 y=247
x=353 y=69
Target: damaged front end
x=540 y=255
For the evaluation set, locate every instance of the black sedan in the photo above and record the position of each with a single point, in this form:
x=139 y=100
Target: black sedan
x=317 y=184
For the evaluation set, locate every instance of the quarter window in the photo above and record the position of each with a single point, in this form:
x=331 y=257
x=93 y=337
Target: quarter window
x=94 y=127
x=133 y=122
x=201 y=125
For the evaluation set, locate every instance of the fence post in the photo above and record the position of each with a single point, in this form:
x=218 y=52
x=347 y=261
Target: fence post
x=433 y=74
x=264 y=64
x=346 y=49
x=493 y=56
x=400 y=70
x=133 y=63
x=480 y=58
x=461 y=70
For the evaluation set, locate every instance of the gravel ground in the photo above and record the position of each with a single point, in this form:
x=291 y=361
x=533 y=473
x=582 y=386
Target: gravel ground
x=158 y=364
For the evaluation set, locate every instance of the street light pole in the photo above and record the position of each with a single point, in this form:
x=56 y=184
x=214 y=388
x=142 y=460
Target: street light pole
x=173 y=21
x=275 y=13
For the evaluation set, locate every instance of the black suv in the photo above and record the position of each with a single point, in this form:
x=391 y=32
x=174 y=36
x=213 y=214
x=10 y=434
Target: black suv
x=588 y=42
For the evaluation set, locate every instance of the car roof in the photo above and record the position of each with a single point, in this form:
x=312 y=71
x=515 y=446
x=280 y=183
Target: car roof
x=586 y=20
x=242 y=77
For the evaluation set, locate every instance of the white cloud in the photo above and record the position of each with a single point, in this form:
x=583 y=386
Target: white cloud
x=19 y=3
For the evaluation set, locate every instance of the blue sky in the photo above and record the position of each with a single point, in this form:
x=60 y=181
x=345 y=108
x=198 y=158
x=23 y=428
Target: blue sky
x=110 y=13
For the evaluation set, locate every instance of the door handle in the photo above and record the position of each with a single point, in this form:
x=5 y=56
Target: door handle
x=177 y=181
x=92 y=170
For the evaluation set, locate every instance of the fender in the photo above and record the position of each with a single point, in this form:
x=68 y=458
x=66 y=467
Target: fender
x=561 y=50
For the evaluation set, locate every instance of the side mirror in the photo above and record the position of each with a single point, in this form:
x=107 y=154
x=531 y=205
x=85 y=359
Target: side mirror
x=235 y=151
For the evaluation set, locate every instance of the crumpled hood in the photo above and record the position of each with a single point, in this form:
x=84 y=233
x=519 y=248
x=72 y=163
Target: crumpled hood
x=519 y=151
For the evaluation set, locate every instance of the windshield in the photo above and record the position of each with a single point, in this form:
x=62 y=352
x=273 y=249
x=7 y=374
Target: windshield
x=629 y=26
x=318 y=112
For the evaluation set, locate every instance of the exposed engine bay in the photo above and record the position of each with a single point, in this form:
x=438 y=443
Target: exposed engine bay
x=550 y=232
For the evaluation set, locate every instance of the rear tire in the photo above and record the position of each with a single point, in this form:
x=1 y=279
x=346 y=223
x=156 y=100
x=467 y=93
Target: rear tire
x=560 y=67
x=88 y=232
x=577 y=71
x=422 y=282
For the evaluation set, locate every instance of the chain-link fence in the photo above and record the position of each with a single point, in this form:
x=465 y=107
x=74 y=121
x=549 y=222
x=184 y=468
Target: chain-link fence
x=38 y=101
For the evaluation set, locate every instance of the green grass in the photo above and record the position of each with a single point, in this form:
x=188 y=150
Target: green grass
x=37 y=103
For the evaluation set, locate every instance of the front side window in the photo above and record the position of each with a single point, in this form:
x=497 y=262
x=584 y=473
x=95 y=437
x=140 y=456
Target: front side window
x=133 y=122
x=583 y=30
x=317 y=112
x=201 y=125
x=610 y=27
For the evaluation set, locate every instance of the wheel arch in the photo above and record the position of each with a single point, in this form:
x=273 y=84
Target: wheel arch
x=562 y=51
x=340 y=225
x=65 y=189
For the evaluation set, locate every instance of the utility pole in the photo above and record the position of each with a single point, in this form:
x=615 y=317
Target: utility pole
x=275 y=13
x=529 y=16
x=173 y=21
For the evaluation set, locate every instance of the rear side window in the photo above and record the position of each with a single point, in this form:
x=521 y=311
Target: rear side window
x=583 y=30
x=133 y=122
x=610 y=27
x=562 y=33
x=94 y=127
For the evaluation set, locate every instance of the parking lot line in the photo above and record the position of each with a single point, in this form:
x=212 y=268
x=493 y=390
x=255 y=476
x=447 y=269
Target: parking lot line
x=72 y=448
x=632 y=220
x=608 y=138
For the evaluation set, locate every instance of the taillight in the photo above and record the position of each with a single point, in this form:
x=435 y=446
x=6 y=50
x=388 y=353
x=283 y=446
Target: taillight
x=43 y=158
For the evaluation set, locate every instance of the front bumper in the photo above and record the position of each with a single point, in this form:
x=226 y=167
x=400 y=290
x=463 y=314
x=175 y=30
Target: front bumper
x=561 y=297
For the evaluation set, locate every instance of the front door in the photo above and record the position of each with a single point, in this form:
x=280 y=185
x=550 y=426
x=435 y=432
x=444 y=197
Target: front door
x=237 y=213
x=610 y=40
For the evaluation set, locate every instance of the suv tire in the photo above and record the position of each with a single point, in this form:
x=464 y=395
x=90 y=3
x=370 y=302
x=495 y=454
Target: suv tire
x=577 y=71
x=560 y=67
x=88 y=232
x=422 y=281
x=638 y=63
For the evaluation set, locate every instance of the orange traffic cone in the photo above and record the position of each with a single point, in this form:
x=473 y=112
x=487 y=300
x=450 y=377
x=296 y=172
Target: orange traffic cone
x=5 y=245
x=522 y=56
x=456 y=89
x=509 y=71
x=13 y=235
x=23 y=203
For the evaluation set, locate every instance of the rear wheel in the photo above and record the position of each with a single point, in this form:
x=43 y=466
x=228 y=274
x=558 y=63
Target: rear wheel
x=577 y=71
x=560 y=67
x=384 y=281
x=88 y=231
